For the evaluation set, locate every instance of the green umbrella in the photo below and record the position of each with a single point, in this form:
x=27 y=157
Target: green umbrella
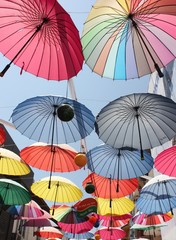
x=13 y=193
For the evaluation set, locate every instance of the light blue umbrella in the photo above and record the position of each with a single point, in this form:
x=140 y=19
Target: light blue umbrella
x=124 y=163
x=78 y=236
x=39 y=118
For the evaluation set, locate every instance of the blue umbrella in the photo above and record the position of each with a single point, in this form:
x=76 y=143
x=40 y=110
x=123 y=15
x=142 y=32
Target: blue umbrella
x=53 y=119
x=123 y=163
x=78 y=236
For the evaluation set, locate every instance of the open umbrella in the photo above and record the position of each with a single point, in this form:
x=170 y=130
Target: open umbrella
x=114 y=220
x=123 y=163
x=115 y=206
x=165 y=161
x=128 y=39
x=151 y=219
x=68 y=220
x=81 y=236
x=138 y=120
x=12 y=164
x=2 y=135
x=53 y=119
x=108 y=233
x=13 y=193
x=41 y=38
x=48 y=232
x=39 y=222
x=60 y=190
x=109 y=188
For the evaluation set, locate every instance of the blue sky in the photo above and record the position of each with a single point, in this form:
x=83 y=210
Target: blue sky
x=92 y=90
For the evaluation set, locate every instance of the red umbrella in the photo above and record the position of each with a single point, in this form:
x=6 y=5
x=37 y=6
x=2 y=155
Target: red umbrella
x=110 y=188
x=48 y=232
x=53 y=158
x=114 y=220
x=109 y=233
x=165 y=162
x=2 y=135
x=40 y=37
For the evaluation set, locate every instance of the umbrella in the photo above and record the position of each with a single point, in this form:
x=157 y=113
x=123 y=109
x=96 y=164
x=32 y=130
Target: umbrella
x=69 y=221
x=86 y=235
x=11 y=164
x=2 y=135
x=48 y=232
x=28 y=211
x=110 y=233
x=109 y=188
x=41 y=118
x=13 y=193
x=114 y=220
x=138 y=120
x=129 y=39
x=114 y=206
x=107 y=161
x=61 y=190
x=39 y=222
x=151 y=219
x=41 y=38
x=165 y=162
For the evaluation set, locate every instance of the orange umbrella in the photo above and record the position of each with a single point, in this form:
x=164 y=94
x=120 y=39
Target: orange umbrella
x=48 y=232
x=110 y=188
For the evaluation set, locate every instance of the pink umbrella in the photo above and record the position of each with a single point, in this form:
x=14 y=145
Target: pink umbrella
x=40 y=37
x=114 y=220
x=39 y=222
x=48 y=232
x=110 y=233
x=165 y=162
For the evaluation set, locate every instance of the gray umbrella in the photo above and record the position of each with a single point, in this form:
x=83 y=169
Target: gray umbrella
x=139 y=120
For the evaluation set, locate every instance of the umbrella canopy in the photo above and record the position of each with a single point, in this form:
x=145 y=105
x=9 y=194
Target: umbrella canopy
x=13 y=193
x=165 y=162
x=115 y=206
x=55 y=158
x=39 y=222
x=109 y=188
x=110 y=233
x=149 y=227
x=151 y=219
x=28 y=211
x=48 y=232
x=81 y=236
x=138 y=120
x=123 y=163
x=114 y=220
x=40 y=118
x=61 y=190
x=2 y=135
x=12 y=164
x=69 y=221
x=41 y=38
x=123 y=39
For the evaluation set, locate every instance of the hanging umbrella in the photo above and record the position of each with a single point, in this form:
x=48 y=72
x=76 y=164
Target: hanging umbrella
x=60 y=190
x=81 y=236
x=151 y=219
x=114 y=220
x=53 y=119
x=41 y=38
x=13 y=193
x=48 y=232
x=69 y=221
x=165 y=162
x=109 y=188
x=39 y=222
x=12 y=164
x=115 y=206
x=28 y=211
x=139 y=120
x=128 y=39
x=2 y=135
x=110 y=233
x=107 y=161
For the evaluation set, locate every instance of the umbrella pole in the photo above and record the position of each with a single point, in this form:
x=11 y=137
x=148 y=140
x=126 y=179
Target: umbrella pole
x=38 y=28
x=140 y=140
x=140 y=35
x=57 y=185
x=110 y=200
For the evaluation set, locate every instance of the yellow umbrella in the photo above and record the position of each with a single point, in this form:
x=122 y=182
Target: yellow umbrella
x=12 y=164
x=114 y=206
x=60 y=190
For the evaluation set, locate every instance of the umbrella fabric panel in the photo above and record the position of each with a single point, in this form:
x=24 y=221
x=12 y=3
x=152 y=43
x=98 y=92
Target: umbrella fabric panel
x=107 y=161
x=36 y=119
x=117 y=124
x=54 y=52
x=111 y=42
